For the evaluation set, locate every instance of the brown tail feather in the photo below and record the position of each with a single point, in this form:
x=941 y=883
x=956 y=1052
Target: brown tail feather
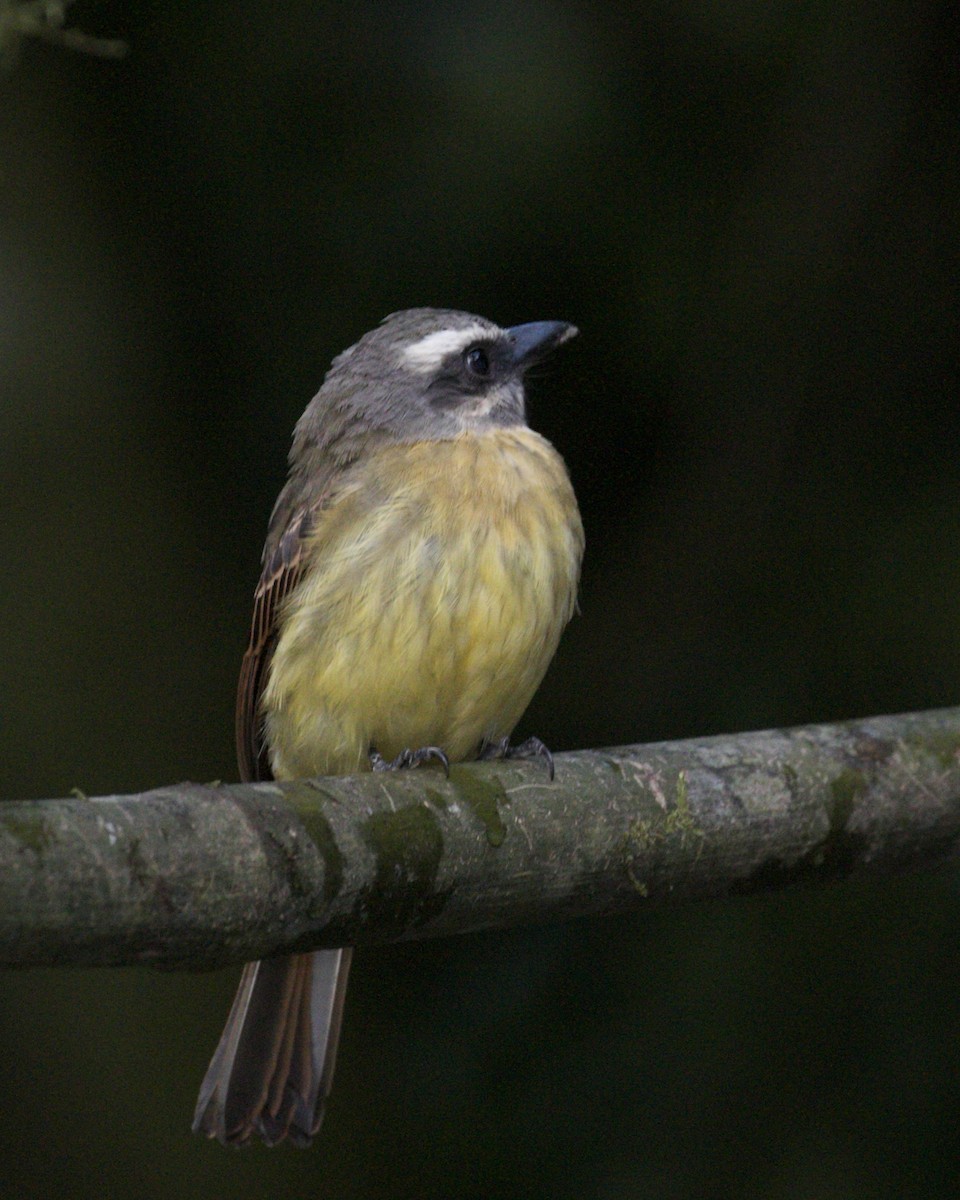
x=272 y=1070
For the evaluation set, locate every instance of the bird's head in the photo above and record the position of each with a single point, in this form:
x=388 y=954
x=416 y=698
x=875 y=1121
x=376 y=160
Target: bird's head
x=430 y=374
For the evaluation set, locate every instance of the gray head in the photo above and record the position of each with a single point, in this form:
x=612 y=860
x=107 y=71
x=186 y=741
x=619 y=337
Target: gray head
x=425 y=374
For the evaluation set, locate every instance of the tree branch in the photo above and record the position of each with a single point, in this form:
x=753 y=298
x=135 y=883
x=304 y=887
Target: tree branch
x=197 y=876
x=46 y=19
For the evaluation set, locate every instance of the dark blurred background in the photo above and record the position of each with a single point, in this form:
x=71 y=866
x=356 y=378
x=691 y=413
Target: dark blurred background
x=751 y=211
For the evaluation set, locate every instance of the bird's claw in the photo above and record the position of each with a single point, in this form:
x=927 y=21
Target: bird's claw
x=531 y=748
x=410 y=758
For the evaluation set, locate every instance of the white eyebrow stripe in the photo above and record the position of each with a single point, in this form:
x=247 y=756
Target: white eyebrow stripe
x=427 y=354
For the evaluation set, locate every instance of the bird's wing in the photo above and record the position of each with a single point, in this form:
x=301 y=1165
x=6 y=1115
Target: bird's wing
x=283 y=564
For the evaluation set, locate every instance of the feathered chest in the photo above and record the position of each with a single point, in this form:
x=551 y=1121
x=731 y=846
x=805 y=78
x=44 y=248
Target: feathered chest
x=436 y=586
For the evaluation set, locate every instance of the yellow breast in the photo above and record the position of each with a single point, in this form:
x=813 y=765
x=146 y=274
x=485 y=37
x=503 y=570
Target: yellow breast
x=437 y=585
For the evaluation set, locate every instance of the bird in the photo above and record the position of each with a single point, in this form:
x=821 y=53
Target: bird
x=420 y=565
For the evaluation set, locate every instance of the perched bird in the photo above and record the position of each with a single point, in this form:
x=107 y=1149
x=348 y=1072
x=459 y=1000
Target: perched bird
x=421 y=563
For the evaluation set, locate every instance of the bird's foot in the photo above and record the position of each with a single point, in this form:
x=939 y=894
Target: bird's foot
x=531 y=748
x=410 y=758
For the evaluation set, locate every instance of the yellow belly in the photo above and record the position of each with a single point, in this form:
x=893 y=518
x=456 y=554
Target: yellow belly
x=437 y=586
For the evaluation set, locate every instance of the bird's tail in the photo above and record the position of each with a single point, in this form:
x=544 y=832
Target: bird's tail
x=272 y=1071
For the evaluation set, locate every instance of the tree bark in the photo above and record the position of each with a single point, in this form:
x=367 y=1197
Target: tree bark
x=202 y=875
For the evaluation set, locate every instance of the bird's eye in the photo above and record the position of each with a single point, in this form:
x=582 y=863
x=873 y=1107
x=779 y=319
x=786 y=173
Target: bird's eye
x=477 y=361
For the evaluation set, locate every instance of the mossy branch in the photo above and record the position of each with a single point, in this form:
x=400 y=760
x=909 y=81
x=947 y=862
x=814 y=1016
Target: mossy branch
x=197 y=876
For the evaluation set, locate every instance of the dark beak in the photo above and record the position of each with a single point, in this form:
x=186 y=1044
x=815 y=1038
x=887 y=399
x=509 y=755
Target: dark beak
x=531 y=343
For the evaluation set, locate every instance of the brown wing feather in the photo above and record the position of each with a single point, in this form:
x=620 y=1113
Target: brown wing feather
x=282 y=568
